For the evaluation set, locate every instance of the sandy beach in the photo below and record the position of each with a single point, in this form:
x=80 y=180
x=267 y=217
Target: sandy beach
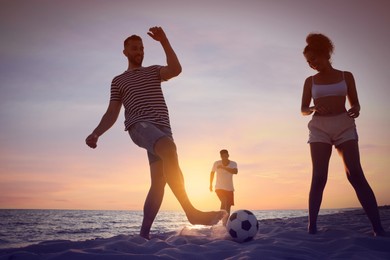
x=341 y=236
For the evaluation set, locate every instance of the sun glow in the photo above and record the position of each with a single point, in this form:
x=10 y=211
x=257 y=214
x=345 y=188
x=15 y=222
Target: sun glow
x=242 y=94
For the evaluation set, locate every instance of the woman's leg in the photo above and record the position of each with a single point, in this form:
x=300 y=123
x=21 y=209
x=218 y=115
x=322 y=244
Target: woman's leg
x=349 y=151
x=320 y=155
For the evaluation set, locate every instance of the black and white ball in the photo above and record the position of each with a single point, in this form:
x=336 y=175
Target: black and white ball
x=242 y=225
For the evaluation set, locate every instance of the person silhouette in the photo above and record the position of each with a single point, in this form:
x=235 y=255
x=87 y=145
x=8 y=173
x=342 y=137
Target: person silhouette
x=332 y=124
x=224 y=188
x=138 y=89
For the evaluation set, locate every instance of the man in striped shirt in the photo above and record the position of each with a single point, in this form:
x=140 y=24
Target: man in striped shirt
x=138 y=89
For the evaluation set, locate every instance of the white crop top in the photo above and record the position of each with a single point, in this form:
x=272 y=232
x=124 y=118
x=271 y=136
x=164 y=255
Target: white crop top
x=326 y=90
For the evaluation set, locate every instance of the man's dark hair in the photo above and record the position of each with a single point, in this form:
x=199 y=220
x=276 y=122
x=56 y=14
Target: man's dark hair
x=223 y=151
x=132 y=38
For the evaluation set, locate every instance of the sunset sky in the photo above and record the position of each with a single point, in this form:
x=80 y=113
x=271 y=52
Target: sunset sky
x=240 y=89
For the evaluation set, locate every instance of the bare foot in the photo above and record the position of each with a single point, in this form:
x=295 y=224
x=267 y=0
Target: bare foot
x=380 y=233
x=206 y=218
x=312 y=229
x=146 y=236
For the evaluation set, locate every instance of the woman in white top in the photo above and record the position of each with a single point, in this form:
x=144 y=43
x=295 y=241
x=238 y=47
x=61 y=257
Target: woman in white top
x=332 y=124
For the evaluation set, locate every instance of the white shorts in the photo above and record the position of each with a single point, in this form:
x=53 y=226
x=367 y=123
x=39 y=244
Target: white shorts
x=333 y=130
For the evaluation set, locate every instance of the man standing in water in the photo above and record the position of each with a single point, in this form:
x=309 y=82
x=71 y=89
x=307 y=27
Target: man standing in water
x=224 y=182
x=138 y=89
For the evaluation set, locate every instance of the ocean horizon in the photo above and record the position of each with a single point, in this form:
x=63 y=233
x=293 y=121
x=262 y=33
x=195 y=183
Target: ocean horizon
x=23 y=227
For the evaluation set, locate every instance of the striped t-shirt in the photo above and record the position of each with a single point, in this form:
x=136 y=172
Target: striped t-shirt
x=141 y=95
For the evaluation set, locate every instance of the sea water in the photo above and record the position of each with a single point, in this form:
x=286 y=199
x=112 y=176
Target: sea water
x=19 y=227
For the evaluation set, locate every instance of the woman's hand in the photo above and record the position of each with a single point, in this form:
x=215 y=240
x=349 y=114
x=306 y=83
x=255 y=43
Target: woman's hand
x=354 y=111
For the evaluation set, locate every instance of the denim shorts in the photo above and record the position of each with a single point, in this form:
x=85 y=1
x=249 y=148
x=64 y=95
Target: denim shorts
x=146 y=134
x=333 y=130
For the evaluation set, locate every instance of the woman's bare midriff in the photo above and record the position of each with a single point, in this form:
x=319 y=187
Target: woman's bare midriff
x=335 y=105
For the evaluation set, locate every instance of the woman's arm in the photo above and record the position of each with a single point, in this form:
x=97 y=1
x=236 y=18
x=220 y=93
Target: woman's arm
x=352 y=95
x=306 y=98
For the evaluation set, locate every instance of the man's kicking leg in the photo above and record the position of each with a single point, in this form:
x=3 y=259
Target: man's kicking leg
x=165 y=148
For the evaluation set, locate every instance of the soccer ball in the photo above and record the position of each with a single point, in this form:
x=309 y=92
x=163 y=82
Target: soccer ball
x=242 y=225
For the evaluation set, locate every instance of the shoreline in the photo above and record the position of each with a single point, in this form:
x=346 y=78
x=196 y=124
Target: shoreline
x=340 y=236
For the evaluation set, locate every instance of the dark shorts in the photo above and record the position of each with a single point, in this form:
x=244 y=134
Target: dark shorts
x=226 y=196
x=145 y=135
